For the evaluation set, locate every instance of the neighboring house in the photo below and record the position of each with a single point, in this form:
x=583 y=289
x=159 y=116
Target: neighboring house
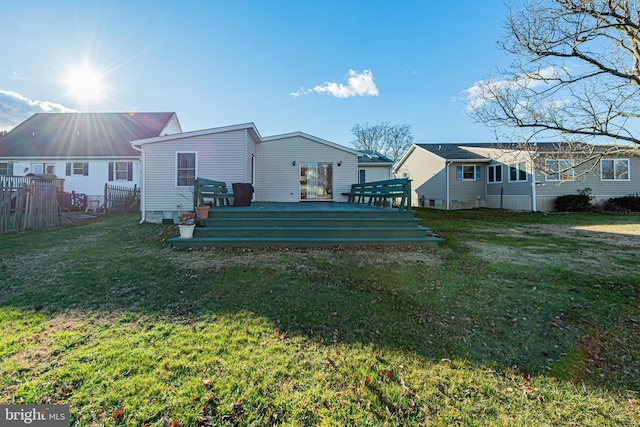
x=463 y=176
x=293 y=167
x=87 y=150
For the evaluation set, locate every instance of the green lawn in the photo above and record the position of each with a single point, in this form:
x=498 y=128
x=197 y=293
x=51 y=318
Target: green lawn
x=518 y=319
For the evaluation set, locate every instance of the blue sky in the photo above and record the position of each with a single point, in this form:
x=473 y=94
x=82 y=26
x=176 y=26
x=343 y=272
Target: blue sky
x=318 y=67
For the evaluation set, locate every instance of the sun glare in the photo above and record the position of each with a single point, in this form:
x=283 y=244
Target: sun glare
x=85 y=84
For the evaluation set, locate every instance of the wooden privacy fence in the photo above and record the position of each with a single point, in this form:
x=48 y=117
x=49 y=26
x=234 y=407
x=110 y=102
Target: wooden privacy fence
x=34 y=204
x=121 y=199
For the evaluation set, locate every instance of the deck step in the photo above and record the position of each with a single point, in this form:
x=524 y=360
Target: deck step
x=311 y=232
x=310 y=221
x=292 y=242
x=302 y=225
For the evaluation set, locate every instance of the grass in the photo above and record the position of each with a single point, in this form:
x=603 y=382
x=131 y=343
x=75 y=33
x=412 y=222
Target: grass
x=518 y=319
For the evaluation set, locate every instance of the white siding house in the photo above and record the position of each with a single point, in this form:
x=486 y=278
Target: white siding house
x=293 y=167
x=171 y=163
x=285 y=161
x=373 y=166
x=86 y=150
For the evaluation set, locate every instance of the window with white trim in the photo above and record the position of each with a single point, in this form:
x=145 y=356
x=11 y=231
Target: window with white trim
x=6 y=168
x=185 y=169
x=614 y=170
x=494 y=174
x=468 y=173
x=40 y=168
x=121 y=171
x=559 y=170
x=518 y=172
x=77 y=168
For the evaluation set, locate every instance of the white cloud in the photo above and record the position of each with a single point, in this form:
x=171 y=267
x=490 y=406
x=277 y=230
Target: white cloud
x=15 y=108
x=486 y=90
x=358 y=84
x=16 y=75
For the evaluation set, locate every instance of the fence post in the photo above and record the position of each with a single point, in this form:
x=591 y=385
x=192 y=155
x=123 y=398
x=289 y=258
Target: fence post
x=106 y=200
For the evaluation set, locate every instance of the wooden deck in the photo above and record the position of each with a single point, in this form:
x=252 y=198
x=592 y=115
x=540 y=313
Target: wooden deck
x=307 y=224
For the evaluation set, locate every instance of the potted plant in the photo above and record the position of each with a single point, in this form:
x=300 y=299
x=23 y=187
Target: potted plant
x=202 y=211
x=186 y=224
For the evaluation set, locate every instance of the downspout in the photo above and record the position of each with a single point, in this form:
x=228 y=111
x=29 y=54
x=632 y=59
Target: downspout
x=447 y=184
x=142 y=188
x=534 y=203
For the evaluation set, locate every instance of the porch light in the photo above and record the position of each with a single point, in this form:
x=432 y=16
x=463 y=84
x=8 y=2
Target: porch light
x=340 y=163
x=293 y=163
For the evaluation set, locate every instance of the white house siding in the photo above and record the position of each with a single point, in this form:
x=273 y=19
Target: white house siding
x=251 y=150
x=427 y=174
x=278 y=180
x=92 y=184
x=172 y=127
x=219 y=156
x=375 y=173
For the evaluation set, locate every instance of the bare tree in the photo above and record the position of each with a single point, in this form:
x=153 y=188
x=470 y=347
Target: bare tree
x=399 y=139
x=575 y=78
x=370 y=137
x=389 y=140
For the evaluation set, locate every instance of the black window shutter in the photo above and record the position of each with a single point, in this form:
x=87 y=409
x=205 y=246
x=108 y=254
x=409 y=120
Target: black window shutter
x=111 y=171
x=68 y=169
x=85 y=168
x=10 y=169
x=129 y=171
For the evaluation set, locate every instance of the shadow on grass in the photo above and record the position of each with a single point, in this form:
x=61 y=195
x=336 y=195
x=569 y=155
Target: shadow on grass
x=437 y=304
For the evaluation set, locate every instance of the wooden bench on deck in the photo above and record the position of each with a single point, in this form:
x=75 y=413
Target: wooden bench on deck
x=379 y=191
x=210 y=189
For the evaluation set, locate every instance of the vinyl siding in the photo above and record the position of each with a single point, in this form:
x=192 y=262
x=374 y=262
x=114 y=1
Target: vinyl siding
x=376 y=173
x=466 y=191
x=510 y=202
x=427 y=174
x=592 y=180
x=279 y=181
x=219 y=157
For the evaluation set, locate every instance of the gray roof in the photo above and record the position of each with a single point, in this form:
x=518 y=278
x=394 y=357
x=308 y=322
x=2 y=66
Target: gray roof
x=458 y=151
x=82 y=134
x=373 y=157
x=452 y=151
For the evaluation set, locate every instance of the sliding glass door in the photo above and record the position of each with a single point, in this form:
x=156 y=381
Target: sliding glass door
x=316 y=181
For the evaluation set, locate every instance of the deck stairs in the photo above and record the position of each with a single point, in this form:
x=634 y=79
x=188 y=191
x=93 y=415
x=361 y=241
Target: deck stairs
x=334 y=224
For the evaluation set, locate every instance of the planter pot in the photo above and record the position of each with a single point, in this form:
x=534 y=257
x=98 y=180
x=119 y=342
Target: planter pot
x=202 y=212
x=186 y=231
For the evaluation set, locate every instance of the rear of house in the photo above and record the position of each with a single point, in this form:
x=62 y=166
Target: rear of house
x=444 y=176
x=451 y=176
x=298 y=167
x=171 y=164
x=293 y=167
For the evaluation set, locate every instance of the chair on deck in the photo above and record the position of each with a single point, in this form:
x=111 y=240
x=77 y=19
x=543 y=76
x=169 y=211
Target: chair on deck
x=242 y=194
